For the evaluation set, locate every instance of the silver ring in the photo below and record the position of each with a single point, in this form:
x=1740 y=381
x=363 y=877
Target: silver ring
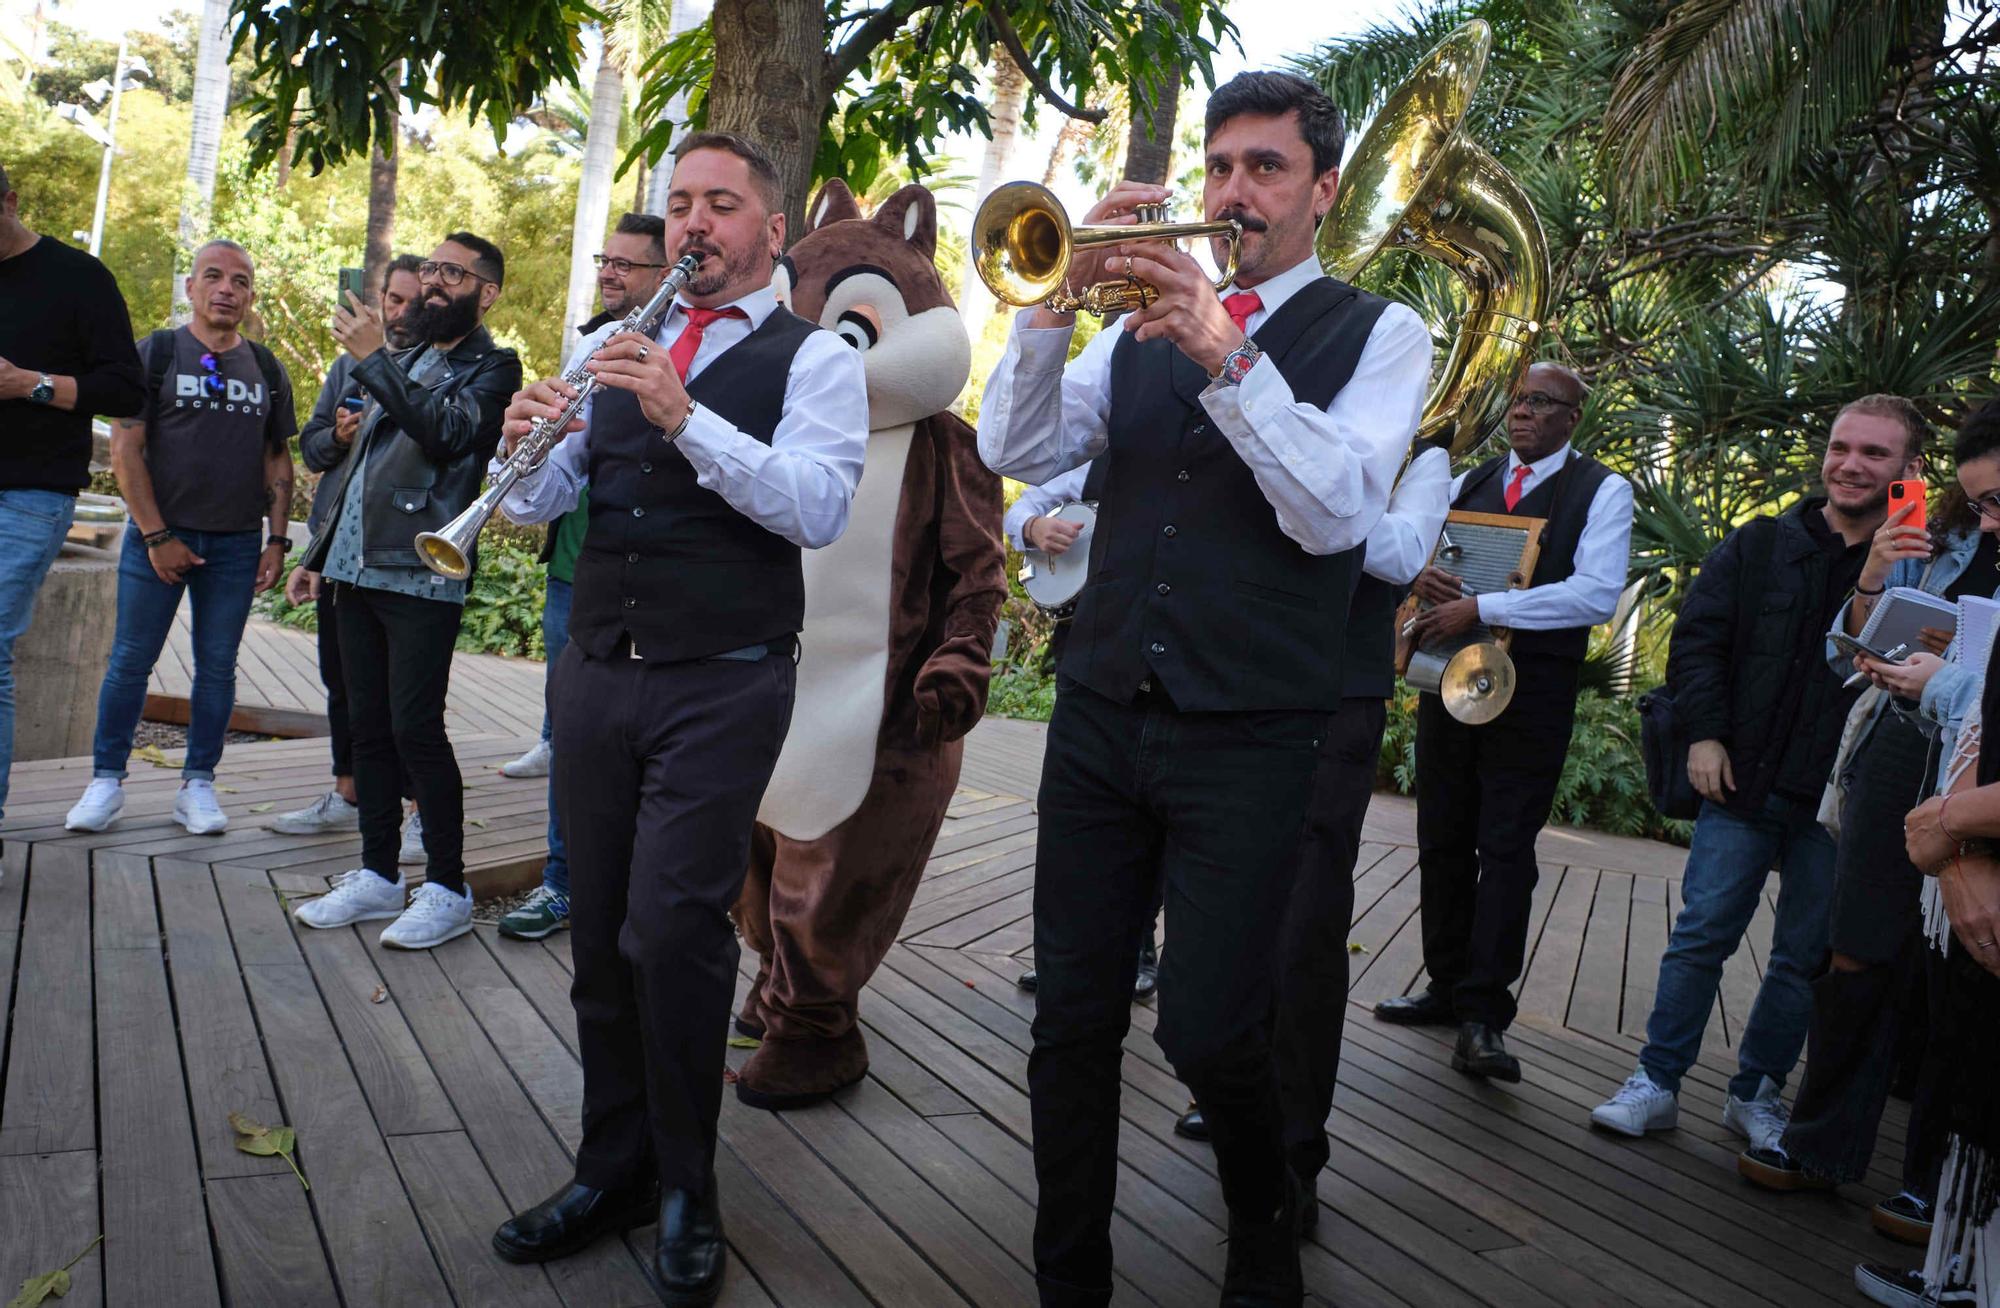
x=1128 y=265
x=643 y=351
x=1984 y=944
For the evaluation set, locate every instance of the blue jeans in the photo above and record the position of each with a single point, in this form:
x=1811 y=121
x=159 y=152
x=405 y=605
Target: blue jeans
x=555 y=635
x=32 y=525
x=221 y=587
x=1724 y=879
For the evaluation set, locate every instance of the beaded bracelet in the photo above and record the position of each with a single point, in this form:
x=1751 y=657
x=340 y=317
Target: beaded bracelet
x=160 y=537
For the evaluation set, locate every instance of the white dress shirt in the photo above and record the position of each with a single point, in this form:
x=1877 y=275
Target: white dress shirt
x=799 y=486
x=1588 y=595
x=1326 y=472
x=1037 y=500
x=1401 y=543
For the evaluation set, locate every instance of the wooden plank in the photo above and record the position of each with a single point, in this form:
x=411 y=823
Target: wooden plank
x=1600 y=970
x=268 y=1244
x=545 y=1067
x=13 y=902
x=287 y=723
x=403 y=1093
x=1644 y=947
x=50 y=1106
x=48 y=1212
x=460 y=1209
x=769 y=1242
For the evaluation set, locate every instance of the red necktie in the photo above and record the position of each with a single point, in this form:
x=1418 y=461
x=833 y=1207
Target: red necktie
x=1513 y=495
x=1240 y=306
x=682 y=353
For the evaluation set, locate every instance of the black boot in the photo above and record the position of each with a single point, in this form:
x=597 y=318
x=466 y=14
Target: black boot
x=1263 y=1269
x=1148 y=979
x=1425 y=1008
x=1481 y=1052
x=688 y=1255
x=571 y=1218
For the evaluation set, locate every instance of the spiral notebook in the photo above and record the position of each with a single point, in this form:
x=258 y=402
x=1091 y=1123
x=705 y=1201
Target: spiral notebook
x=1976 y=625
x=1898 y=619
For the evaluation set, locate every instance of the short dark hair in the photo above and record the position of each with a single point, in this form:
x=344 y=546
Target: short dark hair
x=1274 y=94
x=1896 y=409
x=491 y=264
x=4 y=186
x=1979 y=435
x=408 y=263
x=762 y=170
x=649 y=225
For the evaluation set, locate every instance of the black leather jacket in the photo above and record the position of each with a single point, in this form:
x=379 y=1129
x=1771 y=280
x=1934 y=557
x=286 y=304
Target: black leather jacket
x=426 y=448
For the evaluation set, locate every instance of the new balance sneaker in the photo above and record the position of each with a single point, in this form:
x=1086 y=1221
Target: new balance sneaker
x=1641 y=1105
x=197 y=808
x=534 y=763
x=412 y=850
x=544 y=912
x=327 y=813
x=356 y=896
x=103 y=800
x=434 y=916
x=1761 y=1120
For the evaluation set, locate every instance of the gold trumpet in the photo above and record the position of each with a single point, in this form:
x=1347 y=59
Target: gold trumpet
x=1023 y=242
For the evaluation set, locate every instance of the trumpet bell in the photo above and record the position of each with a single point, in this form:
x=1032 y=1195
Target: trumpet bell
x=1021 y=243
x=441 y=556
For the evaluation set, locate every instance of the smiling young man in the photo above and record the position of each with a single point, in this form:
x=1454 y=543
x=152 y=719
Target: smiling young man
x=719 y=448
x=208 y=459
x=1753 y=690
x=1247 y=443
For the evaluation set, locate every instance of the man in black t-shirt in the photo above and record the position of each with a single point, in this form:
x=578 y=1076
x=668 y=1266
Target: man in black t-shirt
x=65 y=354
x=207 y=459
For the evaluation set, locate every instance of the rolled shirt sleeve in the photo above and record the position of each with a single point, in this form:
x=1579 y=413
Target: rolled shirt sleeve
x=1401 y=543
x=1038 y=500
x=1590 y=594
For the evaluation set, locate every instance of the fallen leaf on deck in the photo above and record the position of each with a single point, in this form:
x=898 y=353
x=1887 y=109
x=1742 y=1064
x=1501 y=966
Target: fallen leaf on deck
x=262 y=808
x=381 y=994
x=972 y=985
x=227 y=790
x=1356 y=947
x=744 y=1042
x=48 y=1285
x=253 y=1137
x=475 y=822
x=153 y=754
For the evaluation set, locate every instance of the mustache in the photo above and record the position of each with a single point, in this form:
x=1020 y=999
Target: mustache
x=1251 y=223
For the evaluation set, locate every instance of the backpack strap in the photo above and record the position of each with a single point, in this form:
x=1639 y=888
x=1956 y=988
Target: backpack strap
x=159 y=359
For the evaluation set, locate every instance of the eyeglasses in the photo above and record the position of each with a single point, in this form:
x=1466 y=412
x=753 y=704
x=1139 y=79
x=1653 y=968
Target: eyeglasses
x=1539 y=404
x=1988 y=505
x=623 y=267
x=213 y=382
x=448 y=273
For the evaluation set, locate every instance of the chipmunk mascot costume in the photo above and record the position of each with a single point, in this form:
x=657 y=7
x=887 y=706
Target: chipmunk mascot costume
x=897 y=652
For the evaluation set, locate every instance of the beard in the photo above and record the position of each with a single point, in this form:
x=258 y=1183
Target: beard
x=398 y=333
x=719 y=270
x=432 y=322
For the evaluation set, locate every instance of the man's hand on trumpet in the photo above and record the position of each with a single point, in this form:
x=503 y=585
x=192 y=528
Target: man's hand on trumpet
x=1188 y=312
x=1091 y=264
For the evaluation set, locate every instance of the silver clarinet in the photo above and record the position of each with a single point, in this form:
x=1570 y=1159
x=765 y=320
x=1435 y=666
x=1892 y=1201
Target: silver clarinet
x=449 y=552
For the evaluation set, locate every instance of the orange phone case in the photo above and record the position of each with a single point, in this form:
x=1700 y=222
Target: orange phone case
x=1903 y=492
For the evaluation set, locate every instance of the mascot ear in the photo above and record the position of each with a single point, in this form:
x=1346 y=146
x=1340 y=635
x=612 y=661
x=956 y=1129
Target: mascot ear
x=833 y=204
x=911 y=215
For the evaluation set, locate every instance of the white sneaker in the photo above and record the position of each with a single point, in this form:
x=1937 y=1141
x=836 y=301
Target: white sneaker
x=197 y=808
x=327 y=813
x=1762 y=1120
x=1641 y=1105
x=413 y=840
x=534 y=763
x=434 y=916
x=103 y=800
x=356 y=896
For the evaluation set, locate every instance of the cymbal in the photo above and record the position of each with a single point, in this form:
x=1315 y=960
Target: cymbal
x=1478 y=683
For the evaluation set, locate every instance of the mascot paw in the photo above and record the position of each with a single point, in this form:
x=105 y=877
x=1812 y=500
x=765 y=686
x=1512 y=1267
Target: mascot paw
x=797 y=1073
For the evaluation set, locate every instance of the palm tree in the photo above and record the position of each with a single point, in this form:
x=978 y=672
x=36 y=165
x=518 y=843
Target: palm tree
x=593 y=188
x=211 y=108
x=686 y=16
x=1010 y=96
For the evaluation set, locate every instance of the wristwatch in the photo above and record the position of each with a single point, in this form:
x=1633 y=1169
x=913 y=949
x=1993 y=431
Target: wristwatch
x=286 y=541
x=1239 y=362
x=44 y=392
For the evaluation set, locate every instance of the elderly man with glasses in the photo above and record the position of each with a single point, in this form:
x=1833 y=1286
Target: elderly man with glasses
x=1483 y=792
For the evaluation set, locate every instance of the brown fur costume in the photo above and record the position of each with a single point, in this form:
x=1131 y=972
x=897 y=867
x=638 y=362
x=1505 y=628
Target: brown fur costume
x=840 y=848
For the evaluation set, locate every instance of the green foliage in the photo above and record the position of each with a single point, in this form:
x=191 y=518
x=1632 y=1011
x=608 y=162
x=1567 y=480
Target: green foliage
x=1022 y=693
x=503 y=607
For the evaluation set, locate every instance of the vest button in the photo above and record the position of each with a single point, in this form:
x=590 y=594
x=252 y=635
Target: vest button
x=1164 y=588
x=631 y=558
x=631 y=603
x=1181 y=475
x=638 y=513
x=1157 y=648
x=645 y=467
x=1169 y=531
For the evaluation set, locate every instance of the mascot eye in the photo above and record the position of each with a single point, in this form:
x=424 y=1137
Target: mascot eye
x=857 y=327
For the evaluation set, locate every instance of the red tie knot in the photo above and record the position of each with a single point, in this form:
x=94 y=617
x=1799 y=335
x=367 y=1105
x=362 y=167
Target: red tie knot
x=703 y=317
x=1240 y=306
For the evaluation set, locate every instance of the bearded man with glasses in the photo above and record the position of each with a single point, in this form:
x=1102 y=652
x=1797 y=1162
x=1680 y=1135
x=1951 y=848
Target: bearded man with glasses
x=1483 y=792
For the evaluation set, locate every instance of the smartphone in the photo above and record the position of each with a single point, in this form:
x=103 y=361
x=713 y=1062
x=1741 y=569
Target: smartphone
x=351 y=279
x=354 y=404
x=1908 y=492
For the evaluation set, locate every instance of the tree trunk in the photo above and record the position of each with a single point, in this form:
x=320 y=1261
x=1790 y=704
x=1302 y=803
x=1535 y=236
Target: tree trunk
x=686 y=16
x=1149 y=149
x=1075 y=131
x=771 y=85
x=593 y=188
x=211 y=107
x=642 y=175
x=1010 y=93
x=381 y=243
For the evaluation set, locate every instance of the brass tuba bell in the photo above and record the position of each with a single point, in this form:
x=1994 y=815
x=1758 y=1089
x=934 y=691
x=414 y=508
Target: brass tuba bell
x=1023 y=241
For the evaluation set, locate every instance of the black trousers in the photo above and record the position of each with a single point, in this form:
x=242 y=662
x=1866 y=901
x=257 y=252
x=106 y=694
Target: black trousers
x=1212 y=803
x=334 y=679
x=1851 y=1046
x=659 y=769
x=395 y=662
x=1483 y=795
x=1312 y=977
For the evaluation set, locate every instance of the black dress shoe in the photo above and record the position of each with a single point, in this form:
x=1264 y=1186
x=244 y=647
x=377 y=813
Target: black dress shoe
x=1148 y=980
x=1191 y=1125
x=571 y=1218
x=1425 y=1008
x=1263 y=1268
x=1026 y=980
x=1481 y=1052
x=688 y=1254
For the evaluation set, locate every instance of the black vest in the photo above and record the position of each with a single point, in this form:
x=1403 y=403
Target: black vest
x=1564 y=500
x=1191 y=581
x=667 y=561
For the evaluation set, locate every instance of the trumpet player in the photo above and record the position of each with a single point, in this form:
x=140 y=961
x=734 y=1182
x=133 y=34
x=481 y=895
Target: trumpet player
x=1248 y=440
x=719 y=448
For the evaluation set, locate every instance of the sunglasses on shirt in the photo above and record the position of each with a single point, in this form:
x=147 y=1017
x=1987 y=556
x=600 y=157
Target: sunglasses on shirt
x=213 y=382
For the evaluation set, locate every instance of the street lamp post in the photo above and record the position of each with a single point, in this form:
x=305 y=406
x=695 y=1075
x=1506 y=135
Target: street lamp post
x=106 y=136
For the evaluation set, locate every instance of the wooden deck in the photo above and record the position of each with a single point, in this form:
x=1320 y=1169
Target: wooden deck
x=151 y=983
